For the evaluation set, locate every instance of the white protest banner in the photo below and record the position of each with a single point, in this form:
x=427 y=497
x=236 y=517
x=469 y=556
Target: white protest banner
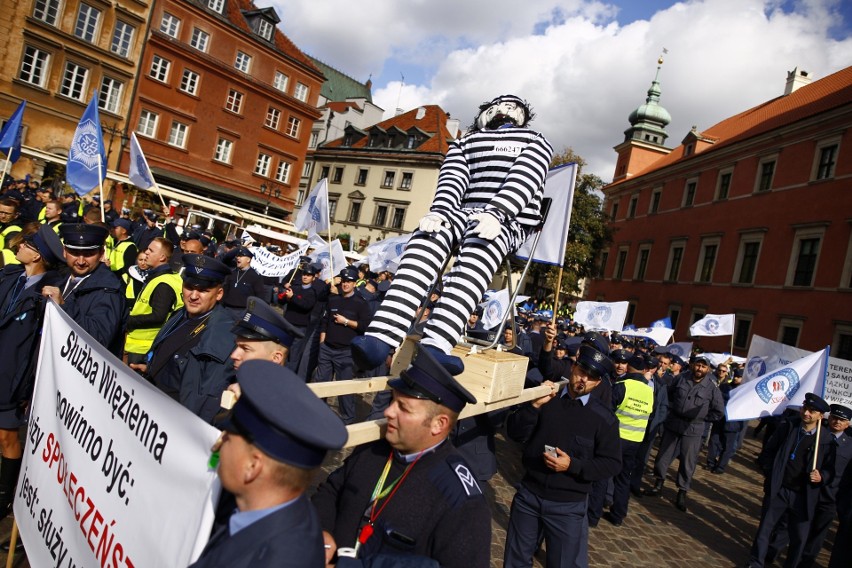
x=267 y=263
x=713 y=325
x=765 y=355
x=607 y=316
x=559 y=187
x=660 y=335
x=115 y=473
x=386 y=254
x=776 y=390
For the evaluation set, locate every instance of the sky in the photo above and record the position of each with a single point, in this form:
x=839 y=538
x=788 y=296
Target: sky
x=583 y=65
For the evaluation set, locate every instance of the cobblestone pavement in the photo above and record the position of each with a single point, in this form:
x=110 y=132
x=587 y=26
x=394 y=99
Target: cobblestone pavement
x=715 y=532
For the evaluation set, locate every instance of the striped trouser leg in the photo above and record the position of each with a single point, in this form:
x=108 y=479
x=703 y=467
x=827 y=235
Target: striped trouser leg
x=477 y=262
x=424 y=256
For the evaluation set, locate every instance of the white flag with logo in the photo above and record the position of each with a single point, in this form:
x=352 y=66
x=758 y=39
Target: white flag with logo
x=331 y=259
x=711 y=325
x=765 y=355
x=386 y=254
x=140 y=173
x=607 y=316
x=313 y=215
x=771 y=393
x=495 y=309
x=682 y=349
x=559 y=187
x=660 y=335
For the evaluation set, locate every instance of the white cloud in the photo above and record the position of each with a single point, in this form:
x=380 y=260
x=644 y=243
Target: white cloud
x=582 y=72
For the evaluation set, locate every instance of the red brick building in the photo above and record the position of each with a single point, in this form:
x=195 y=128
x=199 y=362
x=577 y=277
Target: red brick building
x=752 y=216
x=225 y=103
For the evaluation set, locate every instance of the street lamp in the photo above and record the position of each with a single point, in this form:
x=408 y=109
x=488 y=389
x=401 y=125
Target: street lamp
x=272 y=191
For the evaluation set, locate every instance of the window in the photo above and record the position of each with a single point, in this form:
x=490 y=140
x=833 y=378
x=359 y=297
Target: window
x=398 y=218
x=842 y=345
x=613 y=212
x=301 y=92
x=361 y=179
x=747 y=256
x=411 y=142
x=34 y=66
x=631 y=312
x=405 y=182
x=280 y=81
x=602 y=265
x=264 y=29
x=264 y=163
x=147 y=123
x=620 y=261
x=789 y=331
x=631 y=207
x=87 y=22
x=655 y=200
x=47 y=11
x=177 y=134
x=642 y=263
x=216 y=5
x=160 y=68
x=224 y=148
x=381 y=215
x=808 y=251
x=723 y=185
x=306 y=169
x=314 y=139
x=332 y=207
x=109 y=97
x=282 y=174
x=388 y=180
x=200 y=39
x=707 y=260
x=355 y=211
x=234 y=102
x=689 y=193
x=300 y=197
x=846 y=275
x=170 y=25
x=293 y=125
x=74 y=81
x=122 y=38
x=324 y=171
x=765 y=173
x=826 y=160
x=674 y=314
x=273 y=118
x=189 y=82
x=242 y=62
x=742 y=330
x=674 y=262
x=337 y=176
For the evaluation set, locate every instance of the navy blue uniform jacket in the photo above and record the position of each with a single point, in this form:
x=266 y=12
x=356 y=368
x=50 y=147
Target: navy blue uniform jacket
x=97 y=305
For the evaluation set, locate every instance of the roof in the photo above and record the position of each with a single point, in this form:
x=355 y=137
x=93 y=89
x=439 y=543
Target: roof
x=341 y=106
x=810 y=100
x=339 y=86
x=432 y=123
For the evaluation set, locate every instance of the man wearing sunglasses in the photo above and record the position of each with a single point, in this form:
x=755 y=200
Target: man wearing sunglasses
x=92 y=295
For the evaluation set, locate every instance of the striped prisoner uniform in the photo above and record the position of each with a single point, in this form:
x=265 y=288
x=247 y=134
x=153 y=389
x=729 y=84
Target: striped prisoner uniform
x=498 y=171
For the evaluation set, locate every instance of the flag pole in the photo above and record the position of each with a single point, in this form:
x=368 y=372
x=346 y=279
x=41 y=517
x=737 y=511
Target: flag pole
x=101 y=189
x=816 y=444
x=160 y=195
x=13 y=540
x=328 y=224
x=5 y=170
x=558 y=292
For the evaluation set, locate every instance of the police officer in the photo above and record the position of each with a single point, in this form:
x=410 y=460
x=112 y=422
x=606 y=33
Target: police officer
x=274 y=440
x=655 y=422
x=147 y=230
x=72 y=207
x=435 y=508
x=347 y=316
x=693 y=399
x=190 y=357
x=159 y=299
x=52 y=215
x=92 y=295
x=242 y=282
x=793 y=484
x=124 y=251
x=262 y=333
x=300 y=301
x=9 y=227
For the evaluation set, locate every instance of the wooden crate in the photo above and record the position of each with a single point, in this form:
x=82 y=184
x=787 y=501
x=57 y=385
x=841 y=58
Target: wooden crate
x=488 y=375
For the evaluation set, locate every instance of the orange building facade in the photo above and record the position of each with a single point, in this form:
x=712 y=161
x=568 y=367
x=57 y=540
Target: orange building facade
x=752 y=216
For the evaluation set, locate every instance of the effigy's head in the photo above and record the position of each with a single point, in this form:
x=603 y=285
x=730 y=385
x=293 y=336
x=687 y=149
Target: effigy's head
x=503 y=110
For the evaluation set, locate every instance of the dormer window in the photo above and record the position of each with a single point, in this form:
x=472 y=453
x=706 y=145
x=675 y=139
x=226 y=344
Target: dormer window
x=265 y=29
x=412 y=141
x=216 y=5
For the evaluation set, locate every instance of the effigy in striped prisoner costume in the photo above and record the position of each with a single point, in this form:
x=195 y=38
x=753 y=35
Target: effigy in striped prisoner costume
x=488 y=198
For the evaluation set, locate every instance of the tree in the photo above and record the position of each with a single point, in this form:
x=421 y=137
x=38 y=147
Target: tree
x=589 y=232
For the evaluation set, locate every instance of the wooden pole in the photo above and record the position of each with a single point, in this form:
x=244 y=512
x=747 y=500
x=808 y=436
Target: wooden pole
x=558 y=293
x=13 y=540
x=816 y=443
x=101 y=190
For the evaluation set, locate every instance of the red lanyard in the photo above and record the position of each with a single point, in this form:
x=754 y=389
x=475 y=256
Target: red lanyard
x=378 y=492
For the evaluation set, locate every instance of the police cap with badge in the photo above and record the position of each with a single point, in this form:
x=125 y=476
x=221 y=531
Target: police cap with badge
x=595 y=363
x=244 y=251
x=312 y=268
x=48 y=245
x=79 y=236
x=281 y=416
x=620 y=356
x=262 y=322
x=840 y=411
x=815 y=402
x=203 y=271
x=349 y=274
x=427 y=379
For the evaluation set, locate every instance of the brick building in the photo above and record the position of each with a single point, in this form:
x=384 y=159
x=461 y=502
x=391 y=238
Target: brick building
x=752 y=216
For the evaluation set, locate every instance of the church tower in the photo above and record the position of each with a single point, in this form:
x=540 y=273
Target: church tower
x=644 y=141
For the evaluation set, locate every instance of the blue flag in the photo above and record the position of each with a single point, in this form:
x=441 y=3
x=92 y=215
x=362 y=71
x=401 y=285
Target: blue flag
x=86 y=167
x=10 y=136
x=665 y=322
x=140 y=173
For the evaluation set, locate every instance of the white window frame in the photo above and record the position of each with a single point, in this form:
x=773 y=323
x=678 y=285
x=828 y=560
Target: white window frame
x=200 y=40
x=147 y=124
x=216 y=5
x=38 y=62
x=381 y=206
x=88 y=23
x=263 y=164
x=170 y=25
x=122 y=38
x=293 y=126
x=801 y=235
x=405 y=183
x=702 y=255
x=395 y=210
x=282 y=174
x=314 y=139
x=301 y=92
x=75 y=81
x=265 y=29
x=242 y=62
x=234 y=102
x=189 y=82
x=178 y=134
x=280 y=81
x=821 y=145
x=747 y=238
x=388 y=179
x=224 y=150
x=273 y=118
x=47 y=11
x=109 y=95
x=160 y=67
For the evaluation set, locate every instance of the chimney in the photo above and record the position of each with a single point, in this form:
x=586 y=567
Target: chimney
x=796 y=79
x=453 y=126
